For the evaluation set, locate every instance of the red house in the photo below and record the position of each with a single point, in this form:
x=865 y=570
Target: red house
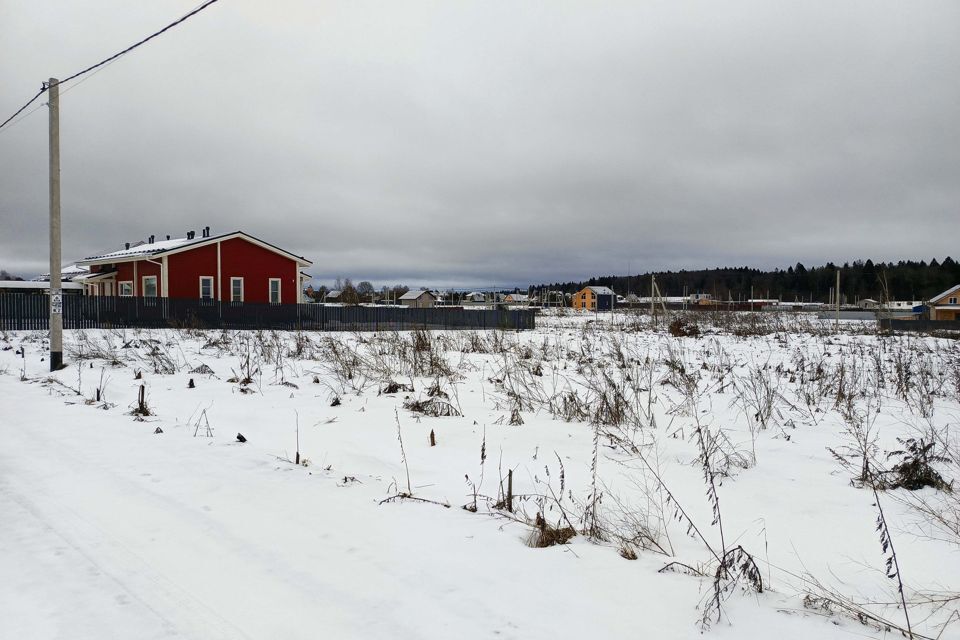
x=233 y=267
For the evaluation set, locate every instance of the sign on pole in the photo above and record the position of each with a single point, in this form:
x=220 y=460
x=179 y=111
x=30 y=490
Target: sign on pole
x=56 y=301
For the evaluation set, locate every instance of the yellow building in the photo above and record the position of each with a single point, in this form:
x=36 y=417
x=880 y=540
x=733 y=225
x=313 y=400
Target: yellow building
x=945 y=306
x=594 y=299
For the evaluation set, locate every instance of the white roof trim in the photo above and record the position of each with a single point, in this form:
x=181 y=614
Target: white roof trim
x=146 y=254
x=945 y=293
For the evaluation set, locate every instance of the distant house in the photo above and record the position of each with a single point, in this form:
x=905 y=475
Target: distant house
x=517 y=298
x=868 y=303
x=333 y=296
x=594 y=299
x=475 y=296
x=418 y=299
x=67 y=274
x=232 y=267
x=72 y=278
x=38 y=287
x=946 y=306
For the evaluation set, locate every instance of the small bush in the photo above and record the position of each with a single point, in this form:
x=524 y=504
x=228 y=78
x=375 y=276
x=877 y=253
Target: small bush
x=432 y=407
x=683 y=328
x=915 y=469
x=396 y=387
x=545 y=535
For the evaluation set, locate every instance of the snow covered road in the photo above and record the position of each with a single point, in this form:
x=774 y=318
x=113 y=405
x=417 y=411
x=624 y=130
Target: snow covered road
x=108 y=530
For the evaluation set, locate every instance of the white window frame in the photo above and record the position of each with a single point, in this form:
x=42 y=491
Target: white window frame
x=128 y=285
x=232 y=280
x=156 y=287
x=270 y=282
x=200 y=292
x=952 y=301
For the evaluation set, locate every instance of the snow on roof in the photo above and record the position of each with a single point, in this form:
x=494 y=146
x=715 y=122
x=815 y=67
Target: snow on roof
x=93 y=277
x=602 y=291
x=146 y=248
x=946 y=293
x=413 y=295
x=66 y=273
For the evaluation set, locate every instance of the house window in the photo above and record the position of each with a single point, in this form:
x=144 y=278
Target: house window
x=149 y=286
x=126 y=288
x=275 y=290
x=206 y=288
x=952 y=301
x=236 y=289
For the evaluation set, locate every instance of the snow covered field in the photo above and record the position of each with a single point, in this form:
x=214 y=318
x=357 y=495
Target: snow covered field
x=715 y=483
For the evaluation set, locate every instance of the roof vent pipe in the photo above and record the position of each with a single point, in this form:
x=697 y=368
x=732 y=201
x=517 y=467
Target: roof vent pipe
x=168 y=236
x=191 y=234
x=151 y=239
x=127 y=245
x=206 y=232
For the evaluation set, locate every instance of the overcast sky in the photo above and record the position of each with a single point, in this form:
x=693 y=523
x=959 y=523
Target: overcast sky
x=486 y=143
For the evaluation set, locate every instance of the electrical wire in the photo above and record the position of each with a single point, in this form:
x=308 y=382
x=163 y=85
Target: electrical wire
x=62 y=93
x=107 y=61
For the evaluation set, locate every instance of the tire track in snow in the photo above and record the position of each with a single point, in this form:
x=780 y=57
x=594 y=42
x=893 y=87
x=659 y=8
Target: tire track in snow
x=181 y=611
x=183 y=598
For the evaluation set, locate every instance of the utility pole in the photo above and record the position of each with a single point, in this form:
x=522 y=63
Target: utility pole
x=653 y=285
x=56 y=292
x=837 y=293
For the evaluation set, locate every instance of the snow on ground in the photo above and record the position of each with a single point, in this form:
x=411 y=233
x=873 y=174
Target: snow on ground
x=111 y=530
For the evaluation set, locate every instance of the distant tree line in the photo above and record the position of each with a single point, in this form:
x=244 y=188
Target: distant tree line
x=6 y=275
x=904 y=280
x=356 y=294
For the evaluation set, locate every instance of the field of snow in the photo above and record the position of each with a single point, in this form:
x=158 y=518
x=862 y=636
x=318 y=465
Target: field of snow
x=709 y=484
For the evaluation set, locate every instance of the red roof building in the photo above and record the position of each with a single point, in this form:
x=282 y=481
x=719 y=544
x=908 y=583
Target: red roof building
x=233 y=267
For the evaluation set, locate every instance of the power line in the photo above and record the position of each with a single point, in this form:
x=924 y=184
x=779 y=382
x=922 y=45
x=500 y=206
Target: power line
x=20 y=110
x=62 y=93
x=105 y=61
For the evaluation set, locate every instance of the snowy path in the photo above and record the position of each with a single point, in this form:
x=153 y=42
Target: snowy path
x=109 y=531
x=98 y=540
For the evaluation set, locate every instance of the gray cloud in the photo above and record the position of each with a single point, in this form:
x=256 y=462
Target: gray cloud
x=496 y=142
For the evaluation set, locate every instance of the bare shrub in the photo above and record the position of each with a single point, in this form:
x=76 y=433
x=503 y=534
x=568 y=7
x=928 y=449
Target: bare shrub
x=433 y=407
x=915 y=470
x=546 y=535
x=684 y=327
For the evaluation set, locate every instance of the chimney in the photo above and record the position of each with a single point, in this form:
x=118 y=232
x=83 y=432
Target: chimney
x=127 y=245
x=206 y=232
x=151 y=240
x=191 y=234
x=168 y=236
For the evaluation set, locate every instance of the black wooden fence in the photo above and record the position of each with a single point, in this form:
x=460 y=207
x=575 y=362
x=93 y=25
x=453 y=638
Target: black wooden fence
x=922 y=326
x=30 y=311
